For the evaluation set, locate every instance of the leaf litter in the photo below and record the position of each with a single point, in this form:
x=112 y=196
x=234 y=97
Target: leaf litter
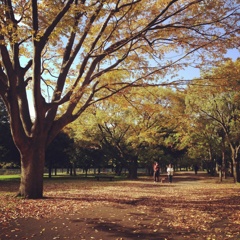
x=80 y=209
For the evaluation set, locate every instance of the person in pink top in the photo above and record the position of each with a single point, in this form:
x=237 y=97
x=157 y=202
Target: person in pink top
x=156 y=171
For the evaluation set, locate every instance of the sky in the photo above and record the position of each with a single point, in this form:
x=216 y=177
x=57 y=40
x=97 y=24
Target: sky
x=190 y=72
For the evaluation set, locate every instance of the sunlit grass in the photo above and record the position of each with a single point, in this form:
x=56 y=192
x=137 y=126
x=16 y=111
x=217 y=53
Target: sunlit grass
x=11 y=177
x=58 y=177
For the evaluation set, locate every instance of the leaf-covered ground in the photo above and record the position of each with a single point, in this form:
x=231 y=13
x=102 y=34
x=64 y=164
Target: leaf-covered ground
x=192 y=207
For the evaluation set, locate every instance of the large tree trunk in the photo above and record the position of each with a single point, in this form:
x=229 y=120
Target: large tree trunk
x=32 y=169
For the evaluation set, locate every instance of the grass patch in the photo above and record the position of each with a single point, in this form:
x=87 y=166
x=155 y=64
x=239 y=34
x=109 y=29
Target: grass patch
x=12 y=177
x=59 y=177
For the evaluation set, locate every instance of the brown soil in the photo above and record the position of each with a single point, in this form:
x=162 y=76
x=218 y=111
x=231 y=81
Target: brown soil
x=192 y=207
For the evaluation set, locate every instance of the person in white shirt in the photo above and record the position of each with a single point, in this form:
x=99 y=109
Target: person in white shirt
x=170 y=173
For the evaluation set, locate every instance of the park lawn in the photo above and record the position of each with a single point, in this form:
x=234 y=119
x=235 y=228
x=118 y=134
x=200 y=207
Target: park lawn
x=9 y=177
x=192 y=207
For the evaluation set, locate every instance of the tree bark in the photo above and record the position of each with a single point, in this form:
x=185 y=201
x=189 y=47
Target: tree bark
x=32 y=170
x=133 y=165
x=235 y=163
x=211 y=167
x=50 y=169
x=236 y=174
x=238 y=171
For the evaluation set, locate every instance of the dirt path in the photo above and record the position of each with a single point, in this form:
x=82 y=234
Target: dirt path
x=192 y=207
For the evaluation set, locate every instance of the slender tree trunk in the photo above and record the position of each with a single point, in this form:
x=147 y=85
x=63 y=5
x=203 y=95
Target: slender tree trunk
x=212 y=167
x=133 y=169
x=74 y=169
x=230 y=168
x=236 y=174
x=50 y=169
x=118 y=169
x=32 y=169
x=220 y=173
x=223 y=148
x=86 y=172
x=238 y=171
x=224 y=164
x=235 y=164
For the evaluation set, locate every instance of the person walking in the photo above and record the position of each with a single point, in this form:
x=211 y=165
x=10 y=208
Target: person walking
x=156 y=171
x=170 y=173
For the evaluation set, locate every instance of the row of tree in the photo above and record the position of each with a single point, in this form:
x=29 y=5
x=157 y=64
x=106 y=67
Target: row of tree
x=198 y=124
